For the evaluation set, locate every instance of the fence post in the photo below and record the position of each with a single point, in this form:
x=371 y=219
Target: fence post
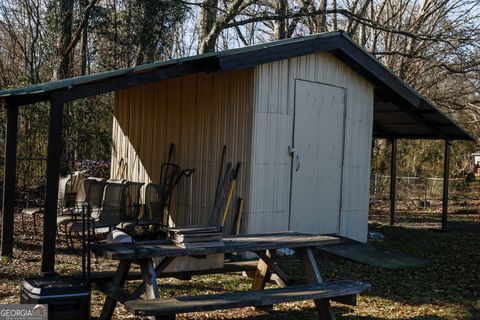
x=393 y=178
x=425 y=196
x=446 y=174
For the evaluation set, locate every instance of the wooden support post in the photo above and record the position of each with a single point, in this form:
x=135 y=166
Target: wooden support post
x=393 y=180
x=54 y=152
x=446 y=175
x=9 y=174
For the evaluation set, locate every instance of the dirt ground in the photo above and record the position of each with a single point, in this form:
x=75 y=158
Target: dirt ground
x=447 y=288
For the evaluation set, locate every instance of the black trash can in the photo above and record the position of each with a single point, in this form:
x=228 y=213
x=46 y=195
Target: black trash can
x=66 y=298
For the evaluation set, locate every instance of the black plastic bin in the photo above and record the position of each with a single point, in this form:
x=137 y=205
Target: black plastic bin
x=67 y=299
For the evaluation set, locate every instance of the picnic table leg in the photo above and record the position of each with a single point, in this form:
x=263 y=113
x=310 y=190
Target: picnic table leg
x=118 y=280
x=312 y=275
x=158 y=270
x=262 y=276
x=152 y=291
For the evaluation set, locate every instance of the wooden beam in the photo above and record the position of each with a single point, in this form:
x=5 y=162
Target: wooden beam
x=133 y=79
x=54 y=153
x=413 y=110
x=393 y=180
x=381 y=130
x=446 y=175
x=22 y=100
x=9 y=169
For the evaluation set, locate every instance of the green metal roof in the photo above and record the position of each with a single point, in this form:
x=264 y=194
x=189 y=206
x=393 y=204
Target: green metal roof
x=75 y=81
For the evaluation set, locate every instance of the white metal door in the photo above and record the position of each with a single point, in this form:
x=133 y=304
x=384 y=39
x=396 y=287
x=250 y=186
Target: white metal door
x=317 y=157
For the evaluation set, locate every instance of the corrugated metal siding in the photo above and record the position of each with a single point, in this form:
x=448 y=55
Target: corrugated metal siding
x=199 y=113
x=273 y=130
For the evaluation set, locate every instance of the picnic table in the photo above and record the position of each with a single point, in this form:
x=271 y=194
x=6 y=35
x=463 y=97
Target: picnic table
x=263 y=245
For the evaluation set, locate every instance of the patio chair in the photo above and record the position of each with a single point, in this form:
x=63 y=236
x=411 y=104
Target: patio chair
x=76 y=183
x=91 y=192
x=64 y=186
x=132 y=206
x=108 y=215
x=153 y=213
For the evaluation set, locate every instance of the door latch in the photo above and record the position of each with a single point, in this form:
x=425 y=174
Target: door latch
x=291 y=150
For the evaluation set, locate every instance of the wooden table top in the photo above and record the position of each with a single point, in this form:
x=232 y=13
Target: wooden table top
x=241 y=243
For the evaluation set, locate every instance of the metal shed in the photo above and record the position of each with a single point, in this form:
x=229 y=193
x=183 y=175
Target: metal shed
x=300 y=115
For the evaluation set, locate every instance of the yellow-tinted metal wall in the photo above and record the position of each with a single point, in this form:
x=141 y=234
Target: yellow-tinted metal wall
x=198 y=113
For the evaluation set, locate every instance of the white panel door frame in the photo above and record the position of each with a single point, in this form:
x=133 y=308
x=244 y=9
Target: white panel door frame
x=341 y=139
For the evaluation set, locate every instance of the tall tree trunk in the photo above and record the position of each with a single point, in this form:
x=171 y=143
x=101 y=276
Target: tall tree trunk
x=335 y=20
x=206 y=41
x=323 y=16
x=84 y=44
x=280 y=31
x=145 y=52
x=64 y=39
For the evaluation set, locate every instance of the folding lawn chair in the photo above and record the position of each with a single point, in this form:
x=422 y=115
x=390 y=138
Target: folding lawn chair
x=64 y=185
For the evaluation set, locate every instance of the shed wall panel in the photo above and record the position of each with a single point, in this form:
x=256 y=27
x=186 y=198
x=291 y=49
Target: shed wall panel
x=198 y=113
x=273 y=131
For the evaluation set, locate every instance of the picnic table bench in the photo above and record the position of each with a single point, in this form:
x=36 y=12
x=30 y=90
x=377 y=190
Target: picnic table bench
x=263 y=245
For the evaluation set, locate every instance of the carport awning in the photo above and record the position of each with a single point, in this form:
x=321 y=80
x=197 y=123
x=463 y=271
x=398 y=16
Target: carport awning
x=392 y=121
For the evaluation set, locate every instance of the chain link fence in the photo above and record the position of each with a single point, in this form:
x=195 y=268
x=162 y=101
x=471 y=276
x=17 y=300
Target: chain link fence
x=425 y=193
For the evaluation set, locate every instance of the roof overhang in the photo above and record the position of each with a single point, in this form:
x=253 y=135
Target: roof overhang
x=399 y=110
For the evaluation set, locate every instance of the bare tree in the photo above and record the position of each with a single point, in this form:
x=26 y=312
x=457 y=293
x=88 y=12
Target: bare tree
x=66 y=39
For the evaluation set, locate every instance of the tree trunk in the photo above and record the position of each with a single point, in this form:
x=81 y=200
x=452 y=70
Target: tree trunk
x=84 y=44
x=335 y=20
x=145 y=52
x=323 y=17
x=280 y=31
x=64 y=38
x=207 y=38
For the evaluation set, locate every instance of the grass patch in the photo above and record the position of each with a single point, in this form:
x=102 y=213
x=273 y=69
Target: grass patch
x=447 y=288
